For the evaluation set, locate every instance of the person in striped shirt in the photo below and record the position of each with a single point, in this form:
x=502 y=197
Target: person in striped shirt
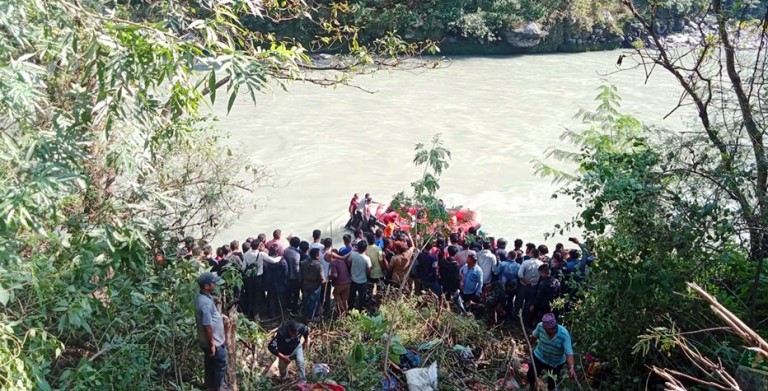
x=553 y=350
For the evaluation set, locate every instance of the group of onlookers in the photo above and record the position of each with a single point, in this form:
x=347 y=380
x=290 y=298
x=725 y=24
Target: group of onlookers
x=481 y=274
x=475 y=272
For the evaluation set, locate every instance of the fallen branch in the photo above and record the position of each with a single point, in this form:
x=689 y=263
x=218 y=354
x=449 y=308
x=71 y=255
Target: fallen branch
x=749 y=335
x=720 y=378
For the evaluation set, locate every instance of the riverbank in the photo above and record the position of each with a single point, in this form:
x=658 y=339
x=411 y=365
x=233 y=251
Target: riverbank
x=501 y=27
x=534 y=38
x=565 y=37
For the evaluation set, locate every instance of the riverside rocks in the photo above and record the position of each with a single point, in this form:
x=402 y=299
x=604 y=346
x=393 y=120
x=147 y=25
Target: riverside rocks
x=679 y=33
x=528 y=36
x=691 y=34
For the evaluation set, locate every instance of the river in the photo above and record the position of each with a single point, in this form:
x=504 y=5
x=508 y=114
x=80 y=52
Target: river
x=496 y=115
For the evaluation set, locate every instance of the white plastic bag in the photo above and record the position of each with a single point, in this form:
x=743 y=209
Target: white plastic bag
x=321 y=370
x=422 y=379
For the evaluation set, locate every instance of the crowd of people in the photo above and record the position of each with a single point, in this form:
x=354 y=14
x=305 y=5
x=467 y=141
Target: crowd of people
x=313 y=279
x=476 y=272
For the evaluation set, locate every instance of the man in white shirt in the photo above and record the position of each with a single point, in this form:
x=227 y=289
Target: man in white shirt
x=528 y=277
x=316 y=241
x=364 y=211
x=253 y=299
x=253 y=291
x=360 y=270
x=461 y=256
x=487 y=260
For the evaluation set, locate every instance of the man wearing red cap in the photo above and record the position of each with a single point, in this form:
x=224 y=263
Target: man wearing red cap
x=552 y=351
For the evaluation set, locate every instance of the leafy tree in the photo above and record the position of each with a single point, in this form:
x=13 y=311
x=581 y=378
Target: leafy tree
x=431 y=216
x=723 y=157
x=653 y=233
x=481 y=21
x=107 y=160
x=435 y=160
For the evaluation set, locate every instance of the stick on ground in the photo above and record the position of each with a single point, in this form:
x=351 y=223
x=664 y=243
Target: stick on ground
x=528 y=342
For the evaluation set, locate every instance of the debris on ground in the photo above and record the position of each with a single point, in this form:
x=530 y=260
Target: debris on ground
x=406 y=334
x=422 y=379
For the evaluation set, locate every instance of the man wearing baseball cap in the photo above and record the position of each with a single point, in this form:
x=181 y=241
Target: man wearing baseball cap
x=553 y=350
x=210 y=332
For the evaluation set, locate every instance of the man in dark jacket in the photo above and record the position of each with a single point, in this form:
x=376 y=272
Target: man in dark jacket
x=547 y=290
x=275 y=280
x=496 y=301
x=449 y=273
x=287 y=346
x=427 y=270
x=312 y=280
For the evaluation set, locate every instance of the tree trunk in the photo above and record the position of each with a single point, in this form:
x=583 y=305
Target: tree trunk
x=758 y=244
x=230 y=331
x=757 y=252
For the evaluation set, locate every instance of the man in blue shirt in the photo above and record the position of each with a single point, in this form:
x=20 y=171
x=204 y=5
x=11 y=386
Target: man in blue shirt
x=552 y=351
x=576 y=265
x=507 y=271
x=210 y=332
x=471 y=279
x=347 y=238
x=379 y=238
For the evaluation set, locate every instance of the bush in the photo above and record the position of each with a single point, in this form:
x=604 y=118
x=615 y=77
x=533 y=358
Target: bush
x=652 y=235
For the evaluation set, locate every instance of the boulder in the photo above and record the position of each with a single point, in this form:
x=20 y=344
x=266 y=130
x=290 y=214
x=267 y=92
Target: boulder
x=526 y=36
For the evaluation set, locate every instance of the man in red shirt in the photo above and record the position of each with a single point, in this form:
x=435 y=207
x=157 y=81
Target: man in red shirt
x=352 y=209
x=276 y=239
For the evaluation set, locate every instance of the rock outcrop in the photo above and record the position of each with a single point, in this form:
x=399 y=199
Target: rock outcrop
x=525 y=37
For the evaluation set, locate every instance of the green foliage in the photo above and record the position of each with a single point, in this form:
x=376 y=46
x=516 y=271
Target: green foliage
x=488 y=19
x=653 y=233
x=482 y=21
x=669 y=9
x=480 y=24
x=106 y=156
x=434 y=160
x=376 y=331
x=374 y=335
x=431 y=216
x=712 y=177
x=660 y=338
